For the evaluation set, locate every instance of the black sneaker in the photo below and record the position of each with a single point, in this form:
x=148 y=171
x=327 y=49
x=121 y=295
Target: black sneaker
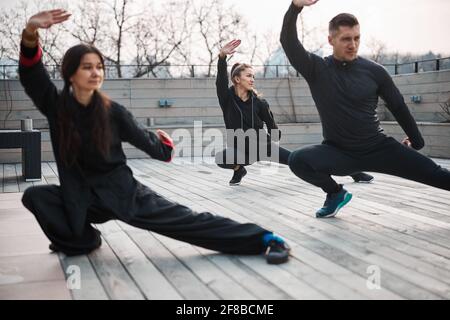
x=237 y=176
x=53 y=247
x=362 y=177
x=277 y=252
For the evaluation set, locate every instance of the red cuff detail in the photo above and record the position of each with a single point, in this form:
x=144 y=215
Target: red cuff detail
x=169 y=144
x=29 y=62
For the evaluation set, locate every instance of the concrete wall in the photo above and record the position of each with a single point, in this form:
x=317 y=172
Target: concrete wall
x=434 y=89
x=195 y=99
x=294 y=136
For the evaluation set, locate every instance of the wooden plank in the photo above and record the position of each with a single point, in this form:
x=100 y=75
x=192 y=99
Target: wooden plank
x=345 y=279
x=239 y=272
x=386 y=213
x=220 y=209
x=113 y=276
x=209 y=274
x=54 y=168
x=308 y=202
x=296 y=288
x=90 y=286
x=280 y=279
x=433 y=200
x=433 y=210
x=314 y=193
x=186 y=283
x=392 y=228
x=48 y=174
x=337 y=256
x=148 y=278
x=2 y=166
x=10 y=183
x=358 y=236
x=23 y=185
x=418 y=261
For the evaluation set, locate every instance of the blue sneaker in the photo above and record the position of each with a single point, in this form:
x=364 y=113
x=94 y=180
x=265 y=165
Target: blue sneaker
x=333 y=203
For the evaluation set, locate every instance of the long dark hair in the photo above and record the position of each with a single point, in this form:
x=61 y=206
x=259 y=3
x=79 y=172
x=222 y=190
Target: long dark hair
x=69 y=135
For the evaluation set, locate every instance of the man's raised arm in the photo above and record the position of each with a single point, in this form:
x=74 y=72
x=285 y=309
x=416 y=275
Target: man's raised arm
x=299 y=58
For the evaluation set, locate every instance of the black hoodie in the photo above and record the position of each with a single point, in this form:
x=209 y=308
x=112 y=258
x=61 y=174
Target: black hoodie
x=239 y=114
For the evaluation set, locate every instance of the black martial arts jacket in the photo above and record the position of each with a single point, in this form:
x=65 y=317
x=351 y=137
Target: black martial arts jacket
x=108 y=179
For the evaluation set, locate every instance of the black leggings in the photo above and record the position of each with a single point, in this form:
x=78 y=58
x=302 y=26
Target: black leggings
x=283 y=158
x=315 y=164
x=242 y=157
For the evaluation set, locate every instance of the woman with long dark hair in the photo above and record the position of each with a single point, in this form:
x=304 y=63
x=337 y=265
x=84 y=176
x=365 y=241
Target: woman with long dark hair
x=244 y=109
x=96 y=185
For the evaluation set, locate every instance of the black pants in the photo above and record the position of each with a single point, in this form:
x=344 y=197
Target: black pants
x=243 y=158
x=315 y=164
x=154 y=213
x=283 y=158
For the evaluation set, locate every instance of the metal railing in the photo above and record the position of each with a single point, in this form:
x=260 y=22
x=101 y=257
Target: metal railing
x=419 y=66
x=161 y=71
x=206 y=71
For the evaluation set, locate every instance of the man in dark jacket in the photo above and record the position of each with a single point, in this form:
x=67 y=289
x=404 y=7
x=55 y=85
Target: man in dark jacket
x=345 y=88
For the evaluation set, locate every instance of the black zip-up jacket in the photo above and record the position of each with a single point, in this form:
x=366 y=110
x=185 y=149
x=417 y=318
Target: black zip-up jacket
x=346 y=94
x=108 y=178
x=255 y=113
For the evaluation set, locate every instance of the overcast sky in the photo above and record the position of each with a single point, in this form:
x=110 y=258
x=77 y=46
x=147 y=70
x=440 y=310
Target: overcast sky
x=415 y=26
x=404 y=25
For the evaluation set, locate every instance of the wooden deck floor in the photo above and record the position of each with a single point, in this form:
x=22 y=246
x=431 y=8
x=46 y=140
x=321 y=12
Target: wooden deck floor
x=394 y=226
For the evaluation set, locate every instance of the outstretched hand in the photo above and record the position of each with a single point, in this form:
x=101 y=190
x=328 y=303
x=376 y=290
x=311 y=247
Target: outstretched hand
x=45 y=19
x=229 y=48
x=407 y=142
x=304 y=3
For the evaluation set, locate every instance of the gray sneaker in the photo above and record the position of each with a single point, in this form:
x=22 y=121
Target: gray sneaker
x=362 y=177
x=277 y=252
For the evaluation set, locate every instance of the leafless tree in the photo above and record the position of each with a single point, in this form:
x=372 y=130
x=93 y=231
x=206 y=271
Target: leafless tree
x=10 y=30
x=216 y=24
x=446 y=110
x=123 y=20
x=266 y=45
x=309 y=36
x=87 y=25
x=184 y=52
x=15 y=19
x=251 y=45
x=377 y=50
x=159 y=36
